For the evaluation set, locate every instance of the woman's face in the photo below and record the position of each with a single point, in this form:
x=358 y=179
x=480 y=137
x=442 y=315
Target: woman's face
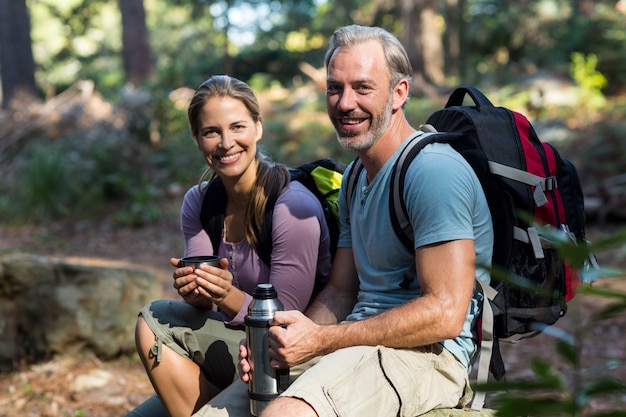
x=227 y=137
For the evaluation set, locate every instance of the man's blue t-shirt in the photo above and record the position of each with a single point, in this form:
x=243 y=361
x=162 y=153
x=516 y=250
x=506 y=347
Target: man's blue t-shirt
x=445 y=202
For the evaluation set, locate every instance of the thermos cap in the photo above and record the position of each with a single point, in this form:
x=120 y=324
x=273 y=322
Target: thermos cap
x=264 y=292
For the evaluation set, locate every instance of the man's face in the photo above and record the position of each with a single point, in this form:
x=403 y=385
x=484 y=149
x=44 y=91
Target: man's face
x=358 y=98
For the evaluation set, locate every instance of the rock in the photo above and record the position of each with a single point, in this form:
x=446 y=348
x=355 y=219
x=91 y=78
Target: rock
x=96 y=378
x=52 y=305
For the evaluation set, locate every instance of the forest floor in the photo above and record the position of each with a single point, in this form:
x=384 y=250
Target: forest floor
x=84 y=385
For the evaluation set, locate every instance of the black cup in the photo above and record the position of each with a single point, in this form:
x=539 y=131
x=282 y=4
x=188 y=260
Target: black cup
x=195 y=261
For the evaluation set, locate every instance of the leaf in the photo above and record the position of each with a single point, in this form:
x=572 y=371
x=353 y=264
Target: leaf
x=546 y=373
x=608 y=385
x=614 y=240
x=601 y=292
x=515 y=407
x=519 y=385
x=589 y=275
x=614 y=413
x=568 y=351
x=609 y=312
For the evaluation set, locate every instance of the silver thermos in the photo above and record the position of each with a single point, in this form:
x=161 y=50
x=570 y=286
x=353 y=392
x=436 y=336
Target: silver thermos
x=266 y=383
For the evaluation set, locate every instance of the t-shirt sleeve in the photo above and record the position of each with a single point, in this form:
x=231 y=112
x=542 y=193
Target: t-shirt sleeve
x=440 y=191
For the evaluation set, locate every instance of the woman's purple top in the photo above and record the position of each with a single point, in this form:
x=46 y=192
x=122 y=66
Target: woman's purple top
x=300 y=248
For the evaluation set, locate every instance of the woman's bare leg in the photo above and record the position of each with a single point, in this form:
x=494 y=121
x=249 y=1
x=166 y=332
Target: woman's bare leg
x=177 y=380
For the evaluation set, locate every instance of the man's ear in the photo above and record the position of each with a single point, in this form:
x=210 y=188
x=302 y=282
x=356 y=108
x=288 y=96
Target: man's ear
x=400 y=93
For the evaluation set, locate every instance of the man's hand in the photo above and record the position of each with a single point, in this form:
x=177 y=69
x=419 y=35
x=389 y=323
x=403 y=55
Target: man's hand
x=293 y=339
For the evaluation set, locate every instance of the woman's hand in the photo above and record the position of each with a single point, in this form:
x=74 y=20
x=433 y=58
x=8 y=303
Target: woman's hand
x=214 y=283
x=187 y=287
x=208 y=285
x=244 y=367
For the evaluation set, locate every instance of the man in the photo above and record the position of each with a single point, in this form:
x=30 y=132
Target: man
x=387 y=346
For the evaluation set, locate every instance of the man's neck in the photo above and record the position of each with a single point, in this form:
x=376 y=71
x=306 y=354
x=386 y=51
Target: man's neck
x=375 y=156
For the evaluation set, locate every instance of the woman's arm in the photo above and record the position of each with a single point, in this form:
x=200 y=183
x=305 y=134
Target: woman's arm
x=298 y=228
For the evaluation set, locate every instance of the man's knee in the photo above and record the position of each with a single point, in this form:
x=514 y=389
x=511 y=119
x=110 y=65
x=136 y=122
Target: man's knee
x=288 y=406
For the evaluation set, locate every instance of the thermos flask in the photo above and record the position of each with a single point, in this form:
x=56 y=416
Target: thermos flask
x=265 y=383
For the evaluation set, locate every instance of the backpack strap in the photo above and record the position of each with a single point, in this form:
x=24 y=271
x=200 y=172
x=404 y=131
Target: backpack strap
x=212 y=211
x=212 y=219
x=264 y=232
x=397 y=207
x=399 y=216
x=541 y=184
x=486 y=343
x=353 y=173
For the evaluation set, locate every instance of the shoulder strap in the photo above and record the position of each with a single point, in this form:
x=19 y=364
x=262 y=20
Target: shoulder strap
x=354 y=172
x=264 y=232
x=212 y=211
x=487 y=343
x=212 y=218
x=397 y=207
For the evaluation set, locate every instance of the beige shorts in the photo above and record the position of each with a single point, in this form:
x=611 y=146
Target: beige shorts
x=366 y=381
x=377 y=381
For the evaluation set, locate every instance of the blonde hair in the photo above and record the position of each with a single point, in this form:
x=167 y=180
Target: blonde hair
x=271 y=178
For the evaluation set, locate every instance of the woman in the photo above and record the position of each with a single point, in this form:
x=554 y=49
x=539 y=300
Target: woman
x=189 y=349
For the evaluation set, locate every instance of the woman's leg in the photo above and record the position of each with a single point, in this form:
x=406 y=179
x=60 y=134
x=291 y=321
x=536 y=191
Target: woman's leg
x=178 y=381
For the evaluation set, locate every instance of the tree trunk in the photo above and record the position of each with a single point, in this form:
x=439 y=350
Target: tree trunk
x=453 y=16
x=432 y=48
x=227 y=62
x=421 y=37
x=17 y=65
x=411 y=35
x=136 y=50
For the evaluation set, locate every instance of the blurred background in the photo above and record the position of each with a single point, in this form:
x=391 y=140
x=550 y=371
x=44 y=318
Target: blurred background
x=96 y=153
x=94 y=92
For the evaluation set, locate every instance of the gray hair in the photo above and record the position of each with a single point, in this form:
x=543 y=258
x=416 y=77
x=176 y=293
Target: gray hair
x=397 y=59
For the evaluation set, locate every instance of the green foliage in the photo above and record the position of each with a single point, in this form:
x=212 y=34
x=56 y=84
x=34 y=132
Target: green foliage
x=106 y=168
x=602 y=140
x=79 y=39
x=142 y=209
x=507 y=39
x=503 y=40
x=40 y=190
x=584 y=72
x=549 y=392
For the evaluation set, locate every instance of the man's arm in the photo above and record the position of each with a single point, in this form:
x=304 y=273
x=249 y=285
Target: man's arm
x=446 y=275
x=336 y=300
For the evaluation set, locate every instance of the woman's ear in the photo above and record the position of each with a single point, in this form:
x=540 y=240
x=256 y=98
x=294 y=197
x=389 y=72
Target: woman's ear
x=259 y=130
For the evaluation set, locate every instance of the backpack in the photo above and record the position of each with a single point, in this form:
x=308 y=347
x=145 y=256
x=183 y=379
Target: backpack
x=322 y=177
x=518 y=174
